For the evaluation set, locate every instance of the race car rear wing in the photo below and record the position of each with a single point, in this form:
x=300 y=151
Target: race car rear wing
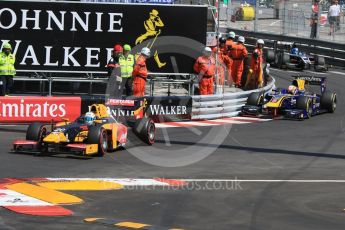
x=312 y=80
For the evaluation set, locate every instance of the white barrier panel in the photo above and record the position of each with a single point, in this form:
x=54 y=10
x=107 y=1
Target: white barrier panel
x=223 y=105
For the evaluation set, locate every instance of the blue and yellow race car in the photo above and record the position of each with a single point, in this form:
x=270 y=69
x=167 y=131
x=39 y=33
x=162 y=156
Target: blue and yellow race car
x=295 y=102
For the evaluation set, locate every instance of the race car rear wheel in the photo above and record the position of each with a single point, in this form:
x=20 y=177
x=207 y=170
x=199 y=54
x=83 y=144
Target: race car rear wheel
x=145 y=129
x=285 y=58
x=281 y=59
x=305 y=104
x=256 y=99
x=36 y=132
x=329 y=101
x=319 y=61
x=98 y=135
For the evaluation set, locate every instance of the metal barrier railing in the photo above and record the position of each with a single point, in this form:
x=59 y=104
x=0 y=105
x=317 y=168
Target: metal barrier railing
x=46 y=78
x=172 y=79
x=223 y=105
x=53 y=80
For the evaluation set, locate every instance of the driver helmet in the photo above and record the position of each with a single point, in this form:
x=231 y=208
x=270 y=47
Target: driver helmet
x=90 y=117
x=295 y=50
x=292 y=89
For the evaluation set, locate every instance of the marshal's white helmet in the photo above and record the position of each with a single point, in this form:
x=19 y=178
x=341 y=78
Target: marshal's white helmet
x=260 y=41
x=232 y=34
x=207 y=51
x=241 y=39
x=90 y=117
x=146 y=51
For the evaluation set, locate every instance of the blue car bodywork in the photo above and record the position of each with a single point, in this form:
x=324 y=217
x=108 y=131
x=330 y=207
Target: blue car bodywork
x=300 y=105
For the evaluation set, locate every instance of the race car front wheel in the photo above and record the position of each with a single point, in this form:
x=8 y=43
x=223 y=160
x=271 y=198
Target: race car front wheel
x=256 y=99
x=36 y=132
x=98 y=135
x=305 y=104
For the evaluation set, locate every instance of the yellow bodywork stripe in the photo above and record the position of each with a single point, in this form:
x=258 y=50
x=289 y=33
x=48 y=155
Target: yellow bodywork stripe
x=93 y=219
x=91 y=149
x=81 y=185
x=45 y=194
x=131 y=225
x=276 y=104
x=81 y=136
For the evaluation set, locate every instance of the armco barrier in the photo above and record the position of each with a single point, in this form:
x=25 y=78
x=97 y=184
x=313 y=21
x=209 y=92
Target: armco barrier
x=224 y=105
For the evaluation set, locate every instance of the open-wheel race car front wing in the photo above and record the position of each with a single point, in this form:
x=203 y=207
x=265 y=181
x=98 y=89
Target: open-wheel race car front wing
x=28 y=146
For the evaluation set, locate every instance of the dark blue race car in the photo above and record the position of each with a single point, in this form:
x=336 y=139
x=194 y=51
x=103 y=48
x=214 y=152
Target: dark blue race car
x=290 y=55
x=295 y=102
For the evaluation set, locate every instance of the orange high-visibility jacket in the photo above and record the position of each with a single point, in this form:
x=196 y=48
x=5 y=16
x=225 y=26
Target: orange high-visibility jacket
x=205 y=66
x=140 y=69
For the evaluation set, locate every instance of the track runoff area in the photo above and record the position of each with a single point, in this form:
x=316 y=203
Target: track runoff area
x=278 y=174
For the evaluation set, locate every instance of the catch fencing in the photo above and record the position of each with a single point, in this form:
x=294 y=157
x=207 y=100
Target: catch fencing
x=291 y=18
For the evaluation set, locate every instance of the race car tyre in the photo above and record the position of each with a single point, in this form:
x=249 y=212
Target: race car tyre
x=285 y=58
x=281 y=59
x=98 y=135
x=36 y=132
x=305 y=104
x=270 y=56
x=146 y=130
x=319 y=60
x=255 y=99
x=329 y=101
x=319 y=63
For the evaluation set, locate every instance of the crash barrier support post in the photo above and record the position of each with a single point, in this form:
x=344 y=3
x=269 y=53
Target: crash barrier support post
x=334 y=53
x=223 y=105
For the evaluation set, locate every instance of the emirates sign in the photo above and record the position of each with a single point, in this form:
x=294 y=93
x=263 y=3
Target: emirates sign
x=33 y=108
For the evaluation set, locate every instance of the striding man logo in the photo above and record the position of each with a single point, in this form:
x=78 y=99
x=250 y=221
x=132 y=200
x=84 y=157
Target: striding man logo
x=153 y=27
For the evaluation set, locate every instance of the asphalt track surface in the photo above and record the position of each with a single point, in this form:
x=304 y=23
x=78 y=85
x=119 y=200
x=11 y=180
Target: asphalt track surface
x=277 y=150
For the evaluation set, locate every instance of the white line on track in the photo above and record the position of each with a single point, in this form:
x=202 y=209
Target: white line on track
x=336 y=72
x=313 y=72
